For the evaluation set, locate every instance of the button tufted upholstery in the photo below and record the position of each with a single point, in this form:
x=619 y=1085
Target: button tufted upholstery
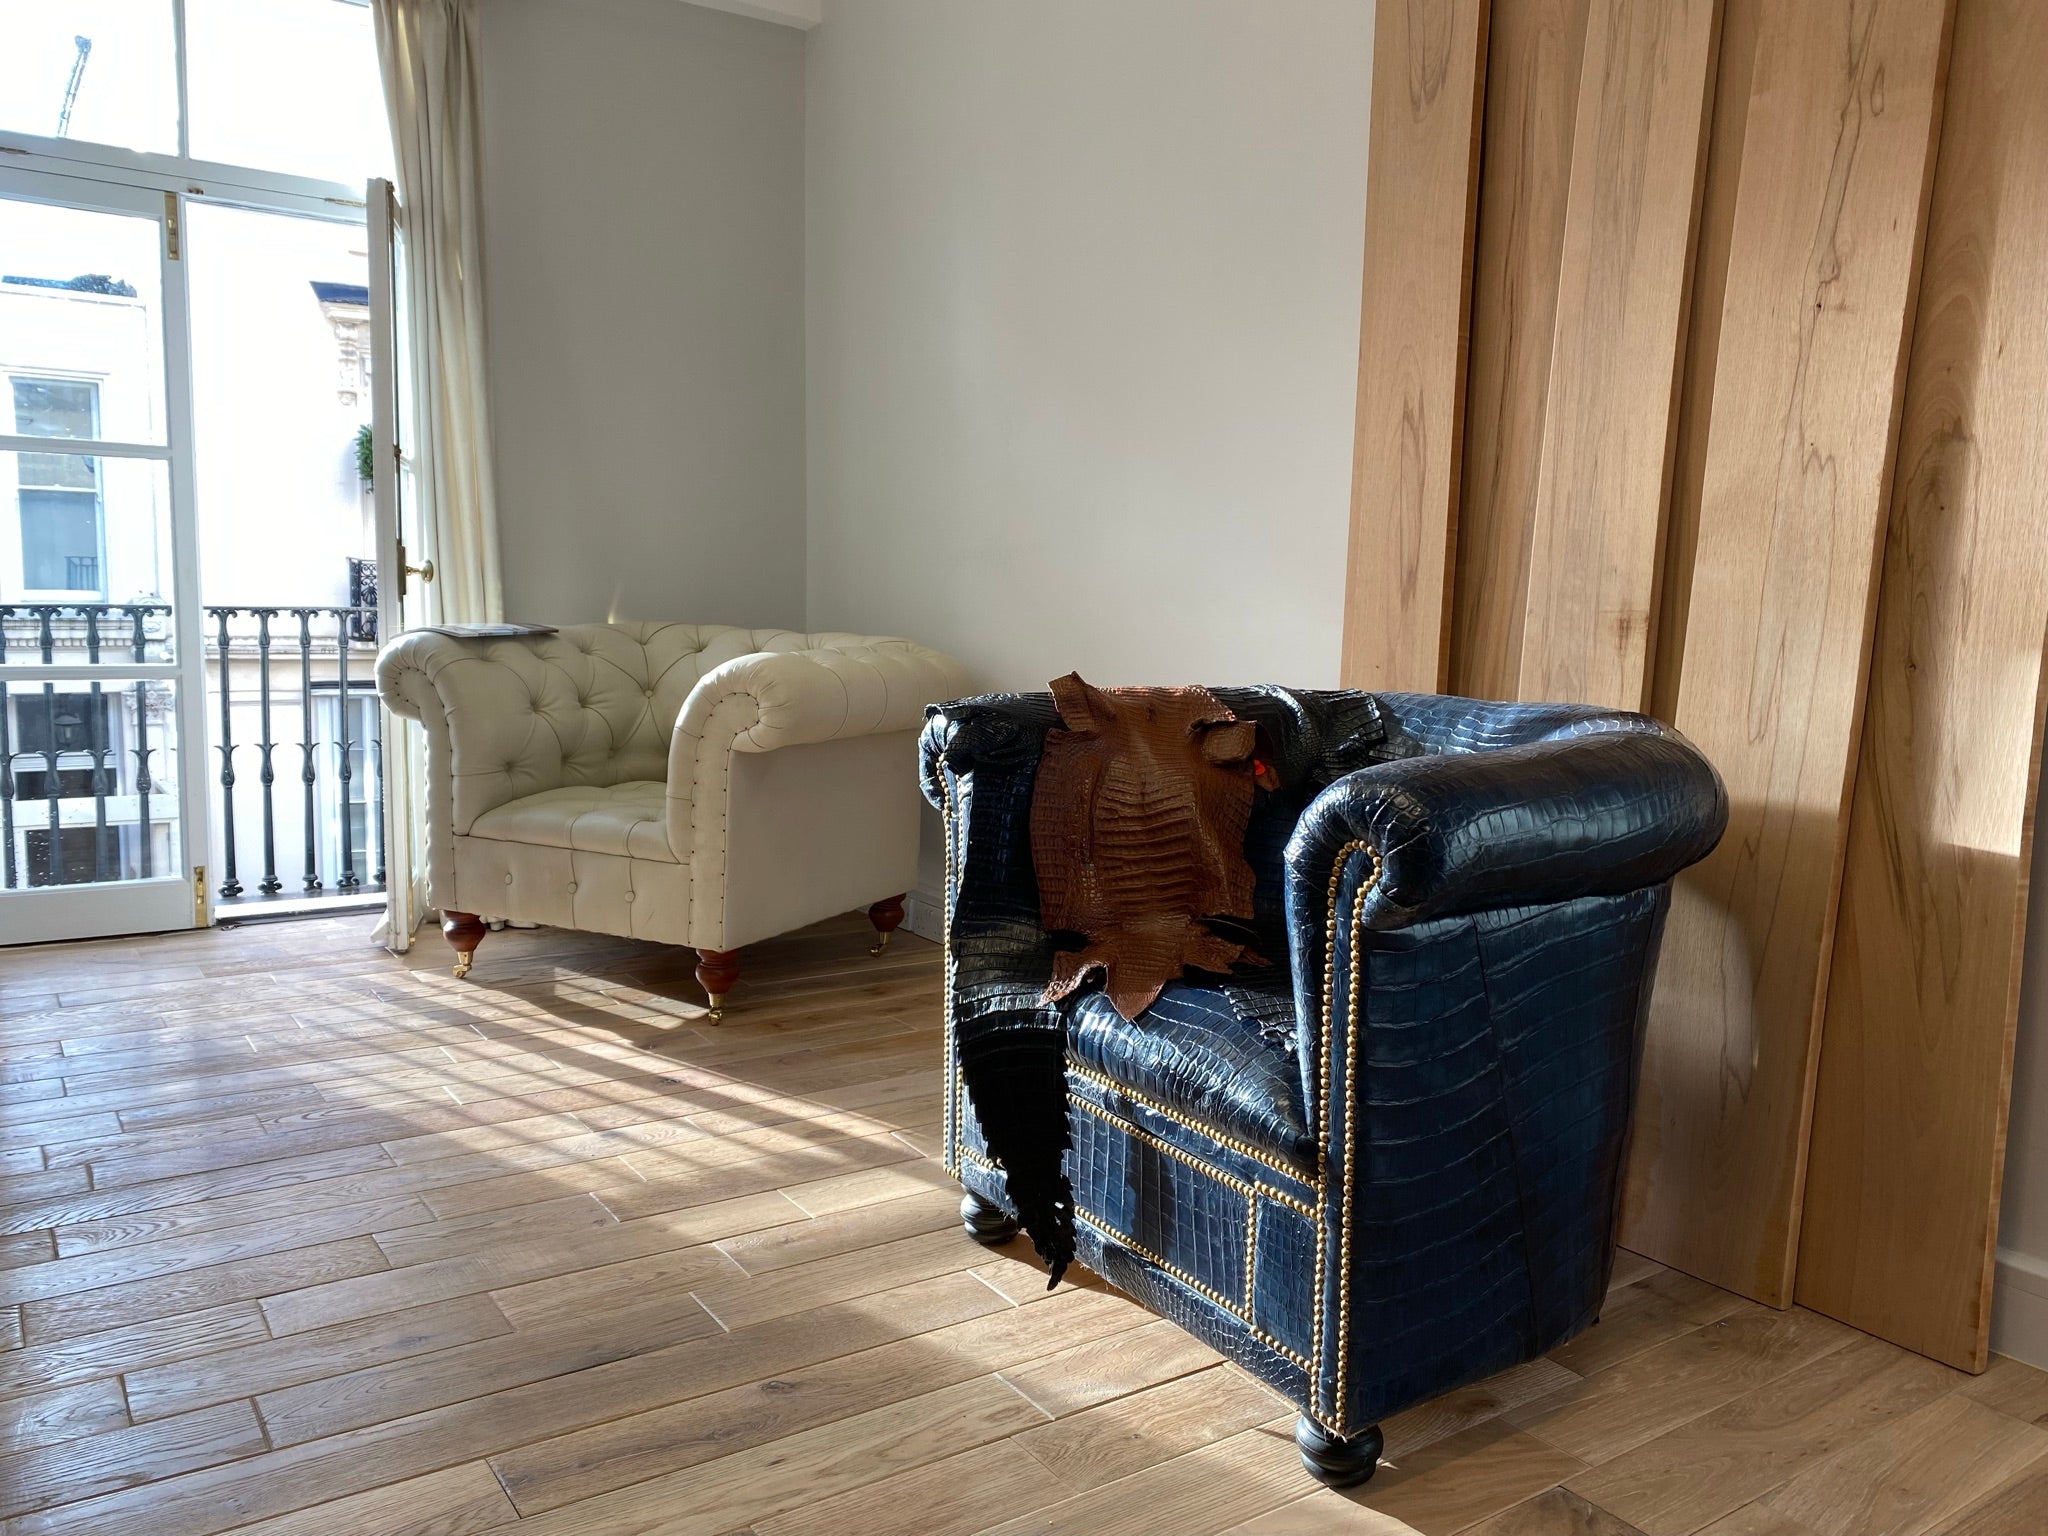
x=588 y=777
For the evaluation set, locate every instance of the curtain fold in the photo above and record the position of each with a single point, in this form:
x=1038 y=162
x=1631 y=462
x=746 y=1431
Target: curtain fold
x=427 y=50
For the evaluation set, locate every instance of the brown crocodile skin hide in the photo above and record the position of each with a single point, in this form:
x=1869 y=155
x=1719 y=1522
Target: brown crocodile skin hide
x=1137 y=835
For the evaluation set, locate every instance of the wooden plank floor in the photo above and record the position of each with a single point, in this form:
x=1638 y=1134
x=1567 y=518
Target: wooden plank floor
x=301 y=1239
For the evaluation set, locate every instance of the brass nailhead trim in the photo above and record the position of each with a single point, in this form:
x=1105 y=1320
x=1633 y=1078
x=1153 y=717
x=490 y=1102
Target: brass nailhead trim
x=949 y=1145
x=1350 y=1120
x=1331 y=1419
x=1242 y=1311
x=1241 y=1148
x=1323 y=1111
x=1251 y=1248
x=1194 y=1285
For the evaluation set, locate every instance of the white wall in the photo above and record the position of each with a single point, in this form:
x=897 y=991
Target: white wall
x=1082 y=329
x=2019 y=1310
x=643 y=191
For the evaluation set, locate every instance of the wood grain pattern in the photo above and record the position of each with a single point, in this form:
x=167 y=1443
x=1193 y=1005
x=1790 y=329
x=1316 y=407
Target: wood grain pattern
x=1909 y=1120
x=1740 y=20
x=389 y=1387
x=1838 y=149
x=1422 y=175
x=1608 y=426
x=1720 y=1461
x=1913 y=1473
x=1532 y=84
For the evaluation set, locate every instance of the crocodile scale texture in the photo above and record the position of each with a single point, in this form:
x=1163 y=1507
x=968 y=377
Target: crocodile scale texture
x=1469 y=898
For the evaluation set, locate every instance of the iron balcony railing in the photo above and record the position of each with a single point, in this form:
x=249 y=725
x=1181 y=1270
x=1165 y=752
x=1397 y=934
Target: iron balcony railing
x=300 y=670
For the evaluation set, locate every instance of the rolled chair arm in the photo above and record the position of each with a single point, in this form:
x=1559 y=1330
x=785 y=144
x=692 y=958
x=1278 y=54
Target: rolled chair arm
x=1613 y=803
x=842 y=686
x=476 y=699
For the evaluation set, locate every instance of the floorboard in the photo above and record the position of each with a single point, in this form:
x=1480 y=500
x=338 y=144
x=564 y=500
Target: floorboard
x=348 y=1248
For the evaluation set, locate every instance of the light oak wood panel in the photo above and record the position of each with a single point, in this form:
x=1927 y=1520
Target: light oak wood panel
x=1664 y=1306
x=753 y=1484
x=93 y=1308
x=1120 y=1438
x=61 y=1413
x=1646 y=1395
x=630 y=1450
x=1554 y=1512
x=1205 y=1491
x=1532 y=86
x=1457 y=1411
x=220 y=1375
x=1475 y=1474
x=121 y=1458
x=1914 y=1473
x=952 y=1497
x=396 y=1387
x=1908 y=1144
x=1694 y=1474
x=1422 y=174
x=1608 y=427
x=1838 y=147
x=1736 y=57
x=1083 y=1375
x=462 y=1501
x=2017 y=1390
x=138 y=1346
x=2014 y=1508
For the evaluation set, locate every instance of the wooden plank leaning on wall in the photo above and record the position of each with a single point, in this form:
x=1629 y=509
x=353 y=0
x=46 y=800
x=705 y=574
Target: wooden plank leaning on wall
x=1916 y=1053
x=1421 y=175
x=1533 y=49
x=1838 y=145
x=1609 y=426
x=1740 y=21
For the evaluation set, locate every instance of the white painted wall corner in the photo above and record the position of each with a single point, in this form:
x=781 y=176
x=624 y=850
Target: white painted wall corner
x=2019 y=1308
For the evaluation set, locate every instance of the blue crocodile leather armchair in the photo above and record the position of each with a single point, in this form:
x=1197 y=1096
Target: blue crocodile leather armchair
x=1388 y=1165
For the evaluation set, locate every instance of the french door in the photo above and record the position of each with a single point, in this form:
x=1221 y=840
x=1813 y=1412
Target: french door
x=400 y=581
x=102 y=803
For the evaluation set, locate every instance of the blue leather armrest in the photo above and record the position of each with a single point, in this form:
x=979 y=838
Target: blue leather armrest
x=1614 y=803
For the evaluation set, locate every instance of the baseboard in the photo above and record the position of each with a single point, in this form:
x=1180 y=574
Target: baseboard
x=924 y=914
x=2019 y=1308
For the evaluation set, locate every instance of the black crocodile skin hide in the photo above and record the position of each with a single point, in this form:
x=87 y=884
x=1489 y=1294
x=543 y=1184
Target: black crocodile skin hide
x=1470 y=897
x=979 y=760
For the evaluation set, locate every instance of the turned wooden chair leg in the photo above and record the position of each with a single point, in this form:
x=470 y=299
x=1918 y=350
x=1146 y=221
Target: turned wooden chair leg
x=717 y=970
x=464 y=931
x=887 y=916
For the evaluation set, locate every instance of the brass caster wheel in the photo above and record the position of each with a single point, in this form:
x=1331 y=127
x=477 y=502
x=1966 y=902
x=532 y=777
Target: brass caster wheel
x=462 y=966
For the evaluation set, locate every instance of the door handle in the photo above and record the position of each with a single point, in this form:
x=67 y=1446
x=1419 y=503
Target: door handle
x=424 y=572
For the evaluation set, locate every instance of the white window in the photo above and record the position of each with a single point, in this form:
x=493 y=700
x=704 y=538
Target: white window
x=60 y=500
x=284 y=86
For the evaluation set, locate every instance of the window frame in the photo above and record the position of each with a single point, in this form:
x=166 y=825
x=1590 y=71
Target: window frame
x=98 y=490
x=179 y=173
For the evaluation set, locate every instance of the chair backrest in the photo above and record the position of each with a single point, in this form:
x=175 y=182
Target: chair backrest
x=611 y=692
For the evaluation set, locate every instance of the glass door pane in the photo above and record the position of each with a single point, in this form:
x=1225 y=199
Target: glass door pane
x=282 y=364
x=81 y=324
x=98 y=682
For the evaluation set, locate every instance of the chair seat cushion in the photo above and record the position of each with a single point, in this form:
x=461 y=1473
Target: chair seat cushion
x=629 y=819
x=1199 y=1052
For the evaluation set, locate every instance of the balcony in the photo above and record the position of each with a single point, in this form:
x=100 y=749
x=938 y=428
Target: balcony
x=90 y=774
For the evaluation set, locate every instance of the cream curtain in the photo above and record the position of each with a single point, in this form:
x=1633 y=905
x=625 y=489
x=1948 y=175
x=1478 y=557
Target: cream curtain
x=428 y=53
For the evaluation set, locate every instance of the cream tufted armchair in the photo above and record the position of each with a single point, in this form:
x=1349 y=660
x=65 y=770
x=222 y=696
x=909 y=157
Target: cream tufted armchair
x=688 y=783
